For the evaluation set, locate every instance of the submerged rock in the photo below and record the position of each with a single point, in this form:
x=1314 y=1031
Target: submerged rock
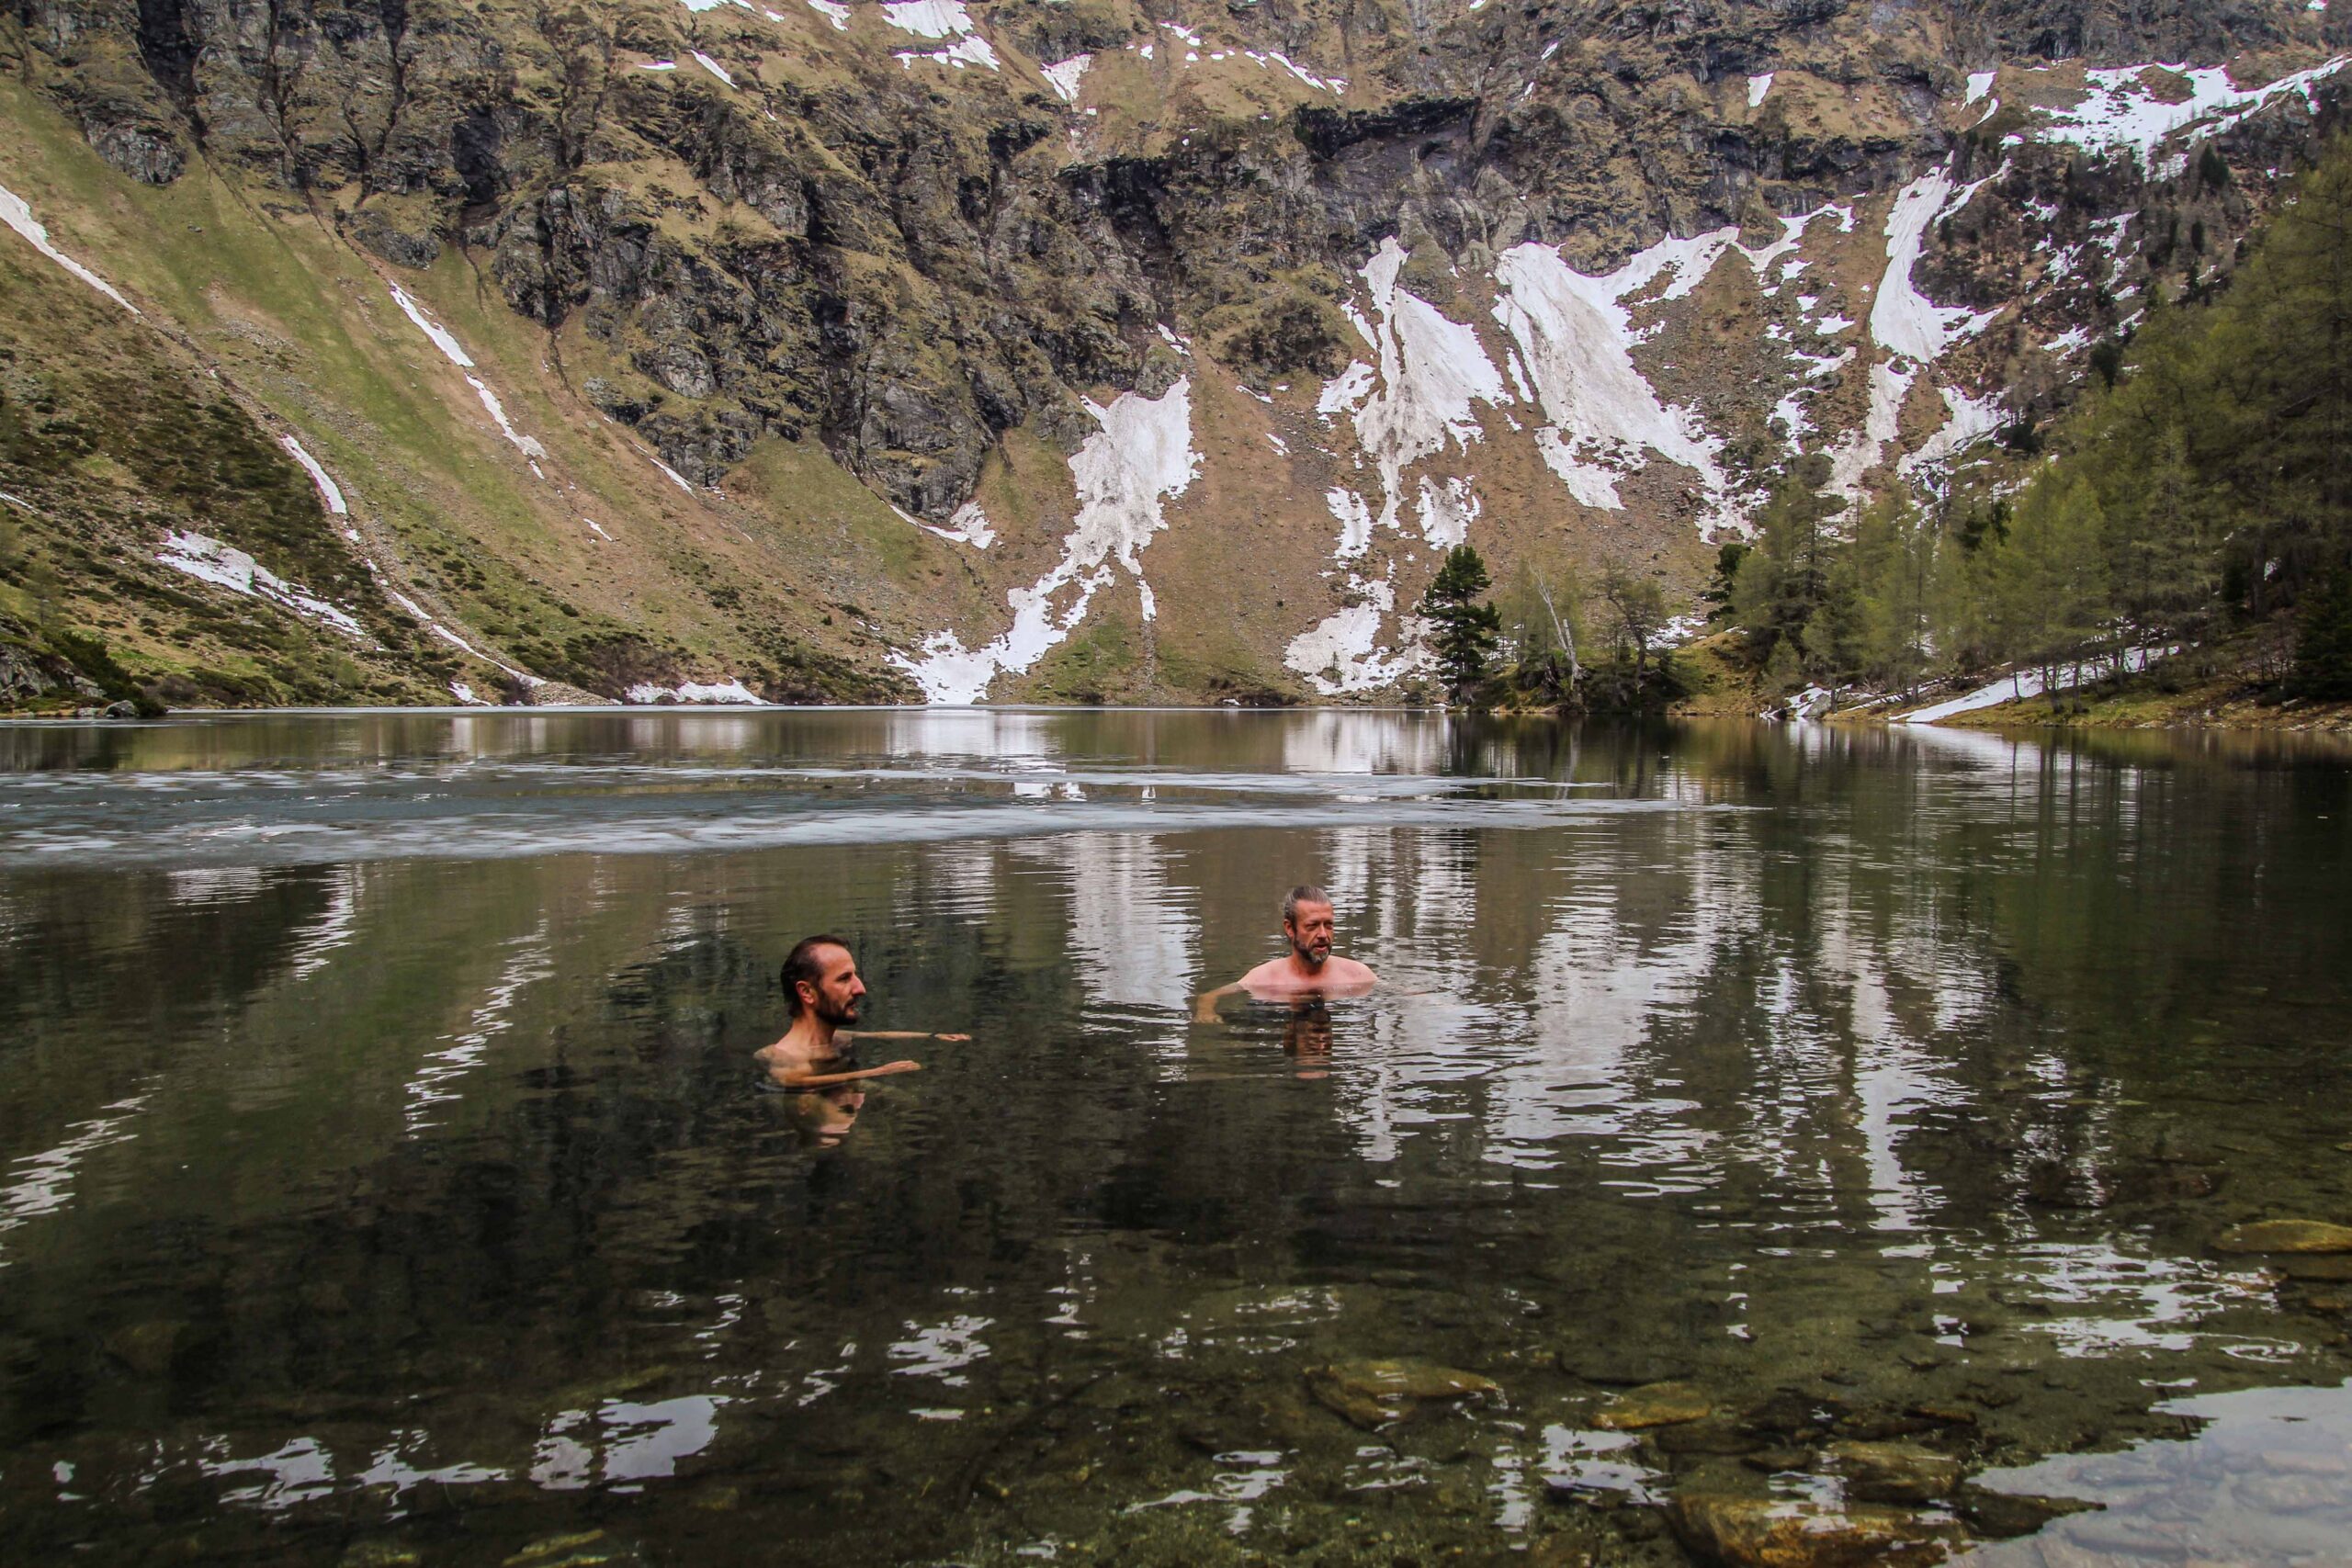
x=1376 y=1394
x=147 y=1349
x=2285 y=1235
x=1780 y=1532
x=2006 y=1514
x=1658 y=1404
x=1895 y=1472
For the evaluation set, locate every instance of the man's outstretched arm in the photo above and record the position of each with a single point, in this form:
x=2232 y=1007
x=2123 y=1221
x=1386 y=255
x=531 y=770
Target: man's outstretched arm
x=898 y=1034
x=791 y=1080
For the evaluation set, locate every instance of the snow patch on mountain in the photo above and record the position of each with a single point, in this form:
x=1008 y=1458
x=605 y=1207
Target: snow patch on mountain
x=1354 y=518
x=1142 y=456
x=1447 y=510
x=973 y=50
x=1756 y=88
x=330 y=493
x=446 y=342
x=1966 y=421
x=969 y=525
x=833 y=12
x=1343 y=653
x=1575 y=337
x=1064 y=75
x=1902 y=320
x=928 y=18
x=2120 y=108
x=16 y=213
x=1911 y=329
x=729 y=693
x=224 y=566
x=1431 y=373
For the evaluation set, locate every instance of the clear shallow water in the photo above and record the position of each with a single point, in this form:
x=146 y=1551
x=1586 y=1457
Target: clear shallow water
x=382 y=1172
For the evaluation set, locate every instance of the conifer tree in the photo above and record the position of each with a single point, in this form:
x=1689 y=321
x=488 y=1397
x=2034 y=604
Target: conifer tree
x=1465 y=630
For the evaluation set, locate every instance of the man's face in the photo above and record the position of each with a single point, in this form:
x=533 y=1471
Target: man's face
x=1309 y=929
x=833 y=995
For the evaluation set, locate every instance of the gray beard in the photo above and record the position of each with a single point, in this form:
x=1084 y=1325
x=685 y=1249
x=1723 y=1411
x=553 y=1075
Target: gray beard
x=1306 y=957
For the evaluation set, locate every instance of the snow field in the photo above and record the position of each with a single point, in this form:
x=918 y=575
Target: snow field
x=17 y=215
x=1065 y=75
x=1342 y=652
x=224 y=566
x=444 y=340
x=2120 y=111
x=1141 y=458
x=928 y=18
x=2028 y=683
x=330 y=493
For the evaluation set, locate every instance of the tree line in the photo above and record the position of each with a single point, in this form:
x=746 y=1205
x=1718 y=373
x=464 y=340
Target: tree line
x=2200 y=491
x=2198 y=496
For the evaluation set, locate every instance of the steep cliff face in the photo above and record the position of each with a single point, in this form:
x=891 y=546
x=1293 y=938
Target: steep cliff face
x=1077 y=349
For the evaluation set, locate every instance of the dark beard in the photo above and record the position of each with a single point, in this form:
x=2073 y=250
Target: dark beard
x=836 y=1018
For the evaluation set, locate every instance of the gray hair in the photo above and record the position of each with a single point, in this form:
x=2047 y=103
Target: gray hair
x=1306 y=893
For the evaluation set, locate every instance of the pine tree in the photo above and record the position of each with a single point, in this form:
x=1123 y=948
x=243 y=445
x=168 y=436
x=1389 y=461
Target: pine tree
x=2324 y=641
x=1465 y=630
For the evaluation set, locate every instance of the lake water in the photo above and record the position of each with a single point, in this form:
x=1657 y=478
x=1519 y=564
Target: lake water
x=384 y=1176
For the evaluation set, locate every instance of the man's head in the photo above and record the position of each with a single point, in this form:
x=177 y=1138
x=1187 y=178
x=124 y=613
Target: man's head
x=820 y=977
x=1307 y=920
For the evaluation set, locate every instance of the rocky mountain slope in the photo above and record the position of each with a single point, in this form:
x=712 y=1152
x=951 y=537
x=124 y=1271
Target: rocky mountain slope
x=1058 y=349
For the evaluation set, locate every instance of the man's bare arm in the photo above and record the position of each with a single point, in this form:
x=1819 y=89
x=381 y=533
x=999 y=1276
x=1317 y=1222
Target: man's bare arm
x=1205 y=1007
x=791 y=1080
x=899 y=1034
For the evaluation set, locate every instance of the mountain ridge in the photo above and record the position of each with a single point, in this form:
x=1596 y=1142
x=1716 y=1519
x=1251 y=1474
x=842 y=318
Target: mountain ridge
x=833 y=351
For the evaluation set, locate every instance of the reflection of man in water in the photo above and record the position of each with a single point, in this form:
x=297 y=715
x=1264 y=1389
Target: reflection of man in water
x=824 y=1116
x=1309 y=969
x=1306 y=1038
x=821 y=986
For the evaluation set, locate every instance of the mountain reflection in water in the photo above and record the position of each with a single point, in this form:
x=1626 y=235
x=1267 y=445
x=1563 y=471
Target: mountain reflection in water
x=383 y=1169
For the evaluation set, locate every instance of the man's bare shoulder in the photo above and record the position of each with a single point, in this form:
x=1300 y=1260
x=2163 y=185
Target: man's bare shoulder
x=1340 y=971
x=1274 y=972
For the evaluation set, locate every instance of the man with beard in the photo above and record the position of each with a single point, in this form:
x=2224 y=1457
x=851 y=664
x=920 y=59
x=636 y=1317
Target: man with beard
x=1309 y=969
x=821 y=986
